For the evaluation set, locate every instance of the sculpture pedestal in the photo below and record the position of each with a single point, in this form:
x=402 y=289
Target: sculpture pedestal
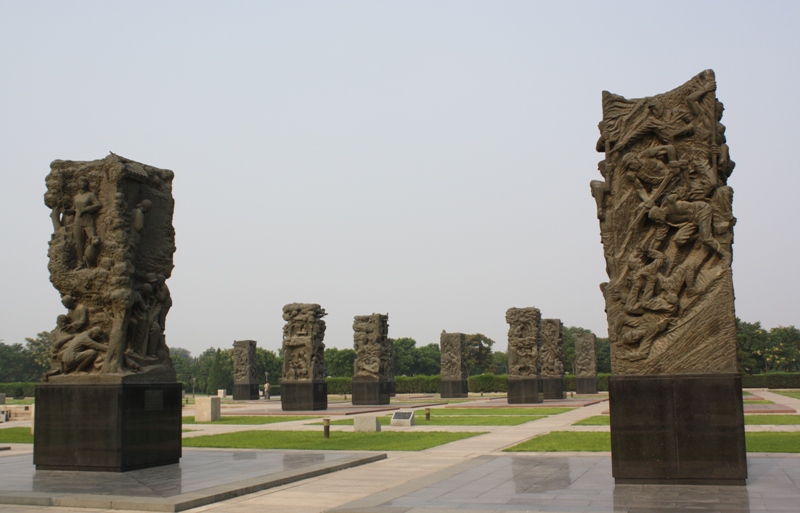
x=453 y=388
x=586 y=385
x=678 y=429
x=107 y=427
x=554 y=388
x=304 y=395
x=245 y=391
x=524 y=390
x=371 y=391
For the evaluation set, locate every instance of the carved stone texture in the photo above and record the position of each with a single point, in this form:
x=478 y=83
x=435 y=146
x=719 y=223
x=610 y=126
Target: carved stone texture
x=388 y=359
x=244 y=362
x=666 y=225
x=454 y=356
x=585 y=355
x=371 y=343
x=551 y=357
x=303 y=349
x=523 y=341
x=110 y=256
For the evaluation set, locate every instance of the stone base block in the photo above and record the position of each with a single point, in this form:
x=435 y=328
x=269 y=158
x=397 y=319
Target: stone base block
x=366 y=424
x=678 y=429
x=207 y=409
x=366 y=392
x=586 y=385
x=107 y=427
x=245 y=391
x=453 y=389
x=524 y=390
x=304 y=395
x=554 y=388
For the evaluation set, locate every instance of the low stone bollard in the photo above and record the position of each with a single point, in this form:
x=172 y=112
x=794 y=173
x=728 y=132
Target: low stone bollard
x=222 y=393
x=206 y=409
x=366 y=424
x=427 y=414
x=326 y=428
x=33 y=417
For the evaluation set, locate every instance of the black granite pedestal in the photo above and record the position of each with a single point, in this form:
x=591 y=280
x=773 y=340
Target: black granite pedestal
x=304 y=395
x=524 y=390
x=586 y=385
x=677 y=429
x=453 y=388
x=245 y=391
x=371 y=391
x=107 y=427
x=554 y=388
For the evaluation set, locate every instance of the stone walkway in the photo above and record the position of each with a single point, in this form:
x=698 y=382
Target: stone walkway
x=415 y=482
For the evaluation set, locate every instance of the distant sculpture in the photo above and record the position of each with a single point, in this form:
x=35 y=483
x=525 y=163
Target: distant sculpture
x=666 y=225
x=111 y=269
x=523 y=341
x=585 y=355
x=370 y=337
x=245 y=379
x=551 y=356
x=454 y=373
x=303 y=349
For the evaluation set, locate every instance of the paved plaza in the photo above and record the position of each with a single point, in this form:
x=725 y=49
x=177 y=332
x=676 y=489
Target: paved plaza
x=472 y=474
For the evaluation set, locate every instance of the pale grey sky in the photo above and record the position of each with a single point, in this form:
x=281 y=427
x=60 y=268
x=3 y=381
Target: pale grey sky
x=427 y=159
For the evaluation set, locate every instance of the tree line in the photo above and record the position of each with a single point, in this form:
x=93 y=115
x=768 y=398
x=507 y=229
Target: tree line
x=759 y=351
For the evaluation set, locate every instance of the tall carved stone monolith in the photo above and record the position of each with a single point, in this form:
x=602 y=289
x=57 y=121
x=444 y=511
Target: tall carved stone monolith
x=245 y=380
x=585 y=363
x=523 y=355
x=666 y=225
x=453 y=349
x=389 y=359
x=372 y=368
x=111 y=400
x=551 y=360
x=303 y=385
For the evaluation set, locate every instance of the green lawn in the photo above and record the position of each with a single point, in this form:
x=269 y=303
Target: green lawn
x=575 y=441
x=757 y=401
x=793 y=395
x=339 y=441
x=250 y=420
x=772 y=420
x=18 y=435
x=597 y=420
x=453 y=420
x=494 y=411
x=11 y=400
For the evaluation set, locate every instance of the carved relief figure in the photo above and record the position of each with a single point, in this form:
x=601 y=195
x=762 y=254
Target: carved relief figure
x=244 y=362
x=303 y=349
x=107 y=280
x=453 y=348
x=667 y=231
x=370 y=337
x=585 y=355
x=523 y=341
x=551 y=356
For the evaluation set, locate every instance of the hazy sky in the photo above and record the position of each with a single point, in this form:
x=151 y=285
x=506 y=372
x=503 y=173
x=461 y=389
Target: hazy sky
x=427 y=159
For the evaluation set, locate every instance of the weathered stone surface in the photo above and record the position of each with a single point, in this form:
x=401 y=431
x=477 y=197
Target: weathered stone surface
x=551 y=356
x=666 y=225
x=207 y=409
x=244 y=362
x=371 y=343
x=366 y=424
x=585 y=355
x=303 y=349
x=453 y=348
x=523 y=341
x=110 y=256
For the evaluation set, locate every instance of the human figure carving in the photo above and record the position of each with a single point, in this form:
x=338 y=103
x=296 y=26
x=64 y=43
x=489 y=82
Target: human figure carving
x=86 y=207
x=81 y=351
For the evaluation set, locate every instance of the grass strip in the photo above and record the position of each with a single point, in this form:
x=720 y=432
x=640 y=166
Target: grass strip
x=452 y=420
x=339 y=441
x=756 y=401
x=772 y=420
x=773 y=442
x=793 y=395
x=496 y=411
x=251 y=419
x=597 y=420
x=17 y=435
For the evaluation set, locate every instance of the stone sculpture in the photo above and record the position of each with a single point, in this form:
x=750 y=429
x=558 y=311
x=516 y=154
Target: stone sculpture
x=454 y=373
x=373 y=366
x=666 y=225
x=110 y=256
x=523 y=355
x=303 y=385
x=585 y=363
x=245 y=380
x=551 y=360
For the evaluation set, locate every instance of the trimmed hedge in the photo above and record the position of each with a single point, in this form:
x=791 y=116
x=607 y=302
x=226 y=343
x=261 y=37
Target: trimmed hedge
x=18 y=390
x=417 y=384
x=339 y=385
x=488 y=383
x=772 y=380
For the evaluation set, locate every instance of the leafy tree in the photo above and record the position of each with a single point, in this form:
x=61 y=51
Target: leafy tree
x=12 y=363
x=216 y=375
x=753 y=350
x=603 y=355
x=500 y=362
x=404 y=360
x=479 y=354
x=339 y=362
x=183 y=362
x=568 y=339
x=268 y=361
x=37 y=356
x=428 y=360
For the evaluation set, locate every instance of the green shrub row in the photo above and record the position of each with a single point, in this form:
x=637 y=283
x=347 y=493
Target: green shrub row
x=417 y=384
x=339 y=385
x=18 y=390
x=772 y=380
